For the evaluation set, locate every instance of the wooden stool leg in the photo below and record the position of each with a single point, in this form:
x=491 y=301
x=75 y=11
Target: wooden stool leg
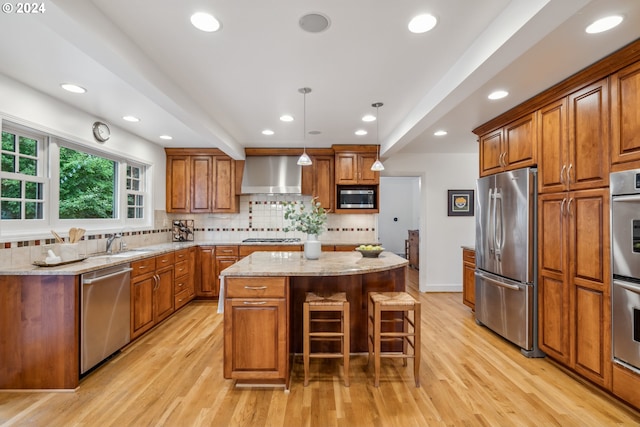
x=416 y=344
x=306 y=345
x=346 y=340
x=376 y=342
x=405 y=340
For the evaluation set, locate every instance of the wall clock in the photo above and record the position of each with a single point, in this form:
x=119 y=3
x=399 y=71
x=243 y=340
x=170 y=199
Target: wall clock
x=101 y=131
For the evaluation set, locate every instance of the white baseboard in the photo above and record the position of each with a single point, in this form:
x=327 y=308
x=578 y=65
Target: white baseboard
x=441 y=288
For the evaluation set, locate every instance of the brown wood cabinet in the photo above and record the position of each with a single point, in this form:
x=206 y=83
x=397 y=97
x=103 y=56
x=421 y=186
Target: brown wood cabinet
x=625 y=118
x=201 y=181
x=152 y=292
x=510 y=147
x=353 y=165
x=225 y=256
x=414 y=249
x=318 y=180
x=206 y=272
x=256 y=323
x=184 y=290
x=468 y=278
x=573 y=281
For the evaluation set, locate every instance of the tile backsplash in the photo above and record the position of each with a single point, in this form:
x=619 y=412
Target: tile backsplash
x=260 y=215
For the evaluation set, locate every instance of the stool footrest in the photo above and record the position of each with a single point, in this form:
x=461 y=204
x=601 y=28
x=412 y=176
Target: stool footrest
x=326 y=355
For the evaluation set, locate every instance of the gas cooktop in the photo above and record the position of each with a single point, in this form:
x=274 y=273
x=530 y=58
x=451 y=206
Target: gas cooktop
x=272 y=240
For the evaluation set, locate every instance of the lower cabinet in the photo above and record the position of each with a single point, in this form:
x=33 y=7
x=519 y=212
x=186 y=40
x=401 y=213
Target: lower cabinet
x=256 y=325
x=211 y=261
x=184 y=290
x=152 y=292
x=468 y=278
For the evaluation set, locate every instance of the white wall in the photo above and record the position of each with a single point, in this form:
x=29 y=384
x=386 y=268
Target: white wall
x=29 y=107
x=399 y=198
x=441 y=236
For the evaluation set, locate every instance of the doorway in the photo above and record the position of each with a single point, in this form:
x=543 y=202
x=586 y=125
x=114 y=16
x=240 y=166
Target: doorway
x=399 y=211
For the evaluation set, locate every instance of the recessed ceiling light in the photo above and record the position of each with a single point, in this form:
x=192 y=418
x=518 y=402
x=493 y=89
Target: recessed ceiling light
x=72 y=88
x=422 y=23
x=604 y=24
x=131 y=118
x=314 y=22
x=440 y=133
x=286 y=118
x=166 y=137
x=205 y=22
x=498 y=94
x=369 y=118
x=361 y=132
x=268 y=132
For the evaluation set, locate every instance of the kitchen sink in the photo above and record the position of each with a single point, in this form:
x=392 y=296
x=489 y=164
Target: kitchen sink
x=126 y=254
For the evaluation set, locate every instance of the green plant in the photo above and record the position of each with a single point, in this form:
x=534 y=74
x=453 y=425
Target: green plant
x=310 y=221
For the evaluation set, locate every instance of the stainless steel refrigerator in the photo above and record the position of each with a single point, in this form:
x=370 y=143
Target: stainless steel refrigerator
x=506 y=267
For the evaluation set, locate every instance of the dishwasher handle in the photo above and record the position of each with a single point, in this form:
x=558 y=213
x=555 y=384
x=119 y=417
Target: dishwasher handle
x=106 y=276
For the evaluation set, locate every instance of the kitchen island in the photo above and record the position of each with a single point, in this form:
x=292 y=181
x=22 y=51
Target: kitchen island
x=263 y=296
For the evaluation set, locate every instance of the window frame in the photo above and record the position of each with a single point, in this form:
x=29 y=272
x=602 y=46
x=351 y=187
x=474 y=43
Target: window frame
x=14 y=229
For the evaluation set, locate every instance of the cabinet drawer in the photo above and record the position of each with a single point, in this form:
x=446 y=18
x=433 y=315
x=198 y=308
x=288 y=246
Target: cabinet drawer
x=469 y=256
x=143 y=266
x=165 y=260
x=182 y=298
x=263 y=287
x=181 y=283
x=226 y=251
x=182 y=268
x=182 y=254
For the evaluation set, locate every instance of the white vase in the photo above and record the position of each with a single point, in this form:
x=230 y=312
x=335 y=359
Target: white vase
x=312 y=247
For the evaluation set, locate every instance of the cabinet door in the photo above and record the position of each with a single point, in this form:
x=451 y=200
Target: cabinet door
x=323 y=181
x=201 y=182
x=590 y=271
x=346 y=168
x=552 y=147
x=142 y=305
x=178 y=181
x=491 y=152
x=206 y=281
x=366 y=175
x=520 y=143
x=164 y=294
x=221 y=264
x=468 y=278
x=255 y=338
x=589 y=137
x=553 y=276
x=224 y=187
x=625 y=115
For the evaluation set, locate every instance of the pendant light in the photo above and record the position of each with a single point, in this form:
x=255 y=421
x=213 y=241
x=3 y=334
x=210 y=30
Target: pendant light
x=377 y=166
x=304 y=159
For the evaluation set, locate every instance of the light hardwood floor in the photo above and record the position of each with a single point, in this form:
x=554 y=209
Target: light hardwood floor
x=469 y=377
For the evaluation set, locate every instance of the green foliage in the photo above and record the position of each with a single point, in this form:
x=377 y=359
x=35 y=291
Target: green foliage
x=310 y=221
x=87 y=185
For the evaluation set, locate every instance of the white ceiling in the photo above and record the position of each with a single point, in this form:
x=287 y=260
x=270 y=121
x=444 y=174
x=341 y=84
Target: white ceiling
x=144 y=58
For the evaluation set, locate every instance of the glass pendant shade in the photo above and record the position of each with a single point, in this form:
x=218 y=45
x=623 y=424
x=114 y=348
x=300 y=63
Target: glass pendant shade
x=377 y=166
x=304 y=159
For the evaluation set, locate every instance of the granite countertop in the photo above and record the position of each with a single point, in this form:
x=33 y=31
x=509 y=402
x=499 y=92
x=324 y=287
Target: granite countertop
x=295 y=264
x=469 y=247
x=98 y=261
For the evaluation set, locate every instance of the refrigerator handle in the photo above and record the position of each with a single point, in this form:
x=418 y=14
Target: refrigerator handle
x=498 y=224
x=497 y=282
x=491 y=238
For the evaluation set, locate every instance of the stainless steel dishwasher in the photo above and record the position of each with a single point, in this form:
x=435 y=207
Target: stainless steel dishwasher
x=105 y=314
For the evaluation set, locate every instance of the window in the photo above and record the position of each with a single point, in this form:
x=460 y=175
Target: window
x=46 y=183
x=21 y=176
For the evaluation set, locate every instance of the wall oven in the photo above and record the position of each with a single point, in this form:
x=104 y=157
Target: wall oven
x=357 y=197
x=625 y=261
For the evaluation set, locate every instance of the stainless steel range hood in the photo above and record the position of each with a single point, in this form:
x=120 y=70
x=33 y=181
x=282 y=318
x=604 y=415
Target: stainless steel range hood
x=271 y=175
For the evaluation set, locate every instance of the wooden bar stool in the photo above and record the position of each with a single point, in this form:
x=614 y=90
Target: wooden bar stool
x=409 y=334
x=333 y=303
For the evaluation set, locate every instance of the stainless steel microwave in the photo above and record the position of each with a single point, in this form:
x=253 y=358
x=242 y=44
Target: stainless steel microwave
x=357 y=198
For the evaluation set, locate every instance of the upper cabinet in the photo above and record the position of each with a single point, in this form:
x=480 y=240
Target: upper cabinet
x=509 y=147
x=318 y=179
x=625 y=118
x=353 y=165
x=201 y=181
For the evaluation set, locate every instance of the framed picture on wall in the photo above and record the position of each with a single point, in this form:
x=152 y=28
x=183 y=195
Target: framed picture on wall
x=460 y=202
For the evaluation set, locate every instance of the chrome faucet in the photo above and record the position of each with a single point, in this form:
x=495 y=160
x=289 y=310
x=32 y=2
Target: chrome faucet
x=110 y=239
